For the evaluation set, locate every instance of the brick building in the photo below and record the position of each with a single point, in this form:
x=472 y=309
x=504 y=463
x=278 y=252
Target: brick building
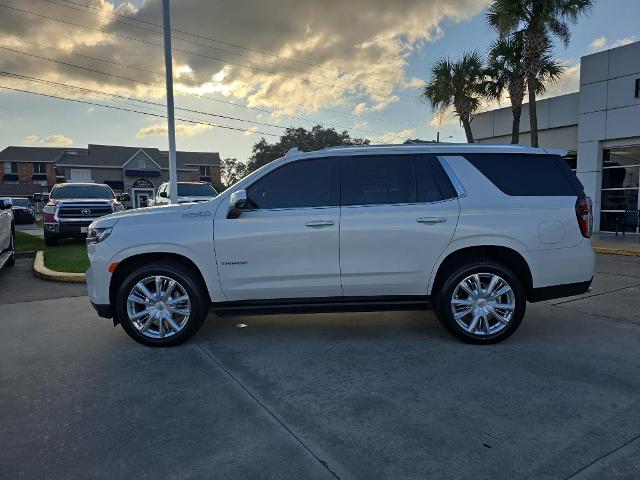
x=134 y=170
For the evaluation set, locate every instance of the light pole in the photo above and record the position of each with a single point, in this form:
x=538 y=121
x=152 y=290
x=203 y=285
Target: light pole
x=171 y=127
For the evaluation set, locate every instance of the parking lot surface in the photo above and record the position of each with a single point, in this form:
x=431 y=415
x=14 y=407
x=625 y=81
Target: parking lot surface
x=367 y=395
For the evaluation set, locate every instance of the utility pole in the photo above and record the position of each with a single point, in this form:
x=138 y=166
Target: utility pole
x=171 y=126
x=437 y=137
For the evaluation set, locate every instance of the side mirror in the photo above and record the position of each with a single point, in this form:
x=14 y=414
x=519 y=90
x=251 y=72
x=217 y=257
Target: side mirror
x=163 y=194
x=123 y=197
x=237 y=203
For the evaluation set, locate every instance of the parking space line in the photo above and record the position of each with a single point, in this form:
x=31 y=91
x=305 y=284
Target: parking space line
x=212 y=358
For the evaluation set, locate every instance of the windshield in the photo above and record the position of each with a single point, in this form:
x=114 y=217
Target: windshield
x=196 y=190
x=20 y=202
x=82 y=191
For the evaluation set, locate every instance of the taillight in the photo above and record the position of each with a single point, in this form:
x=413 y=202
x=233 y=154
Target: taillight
x=584 y=213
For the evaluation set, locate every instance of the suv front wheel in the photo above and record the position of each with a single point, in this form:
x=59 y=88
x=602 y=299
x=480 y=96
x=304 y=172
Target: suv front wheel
x=481 y=302
x=160 y=304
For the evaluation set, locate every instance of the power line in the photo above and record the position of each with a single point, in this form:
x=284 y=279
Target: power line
x=158 y=115
x=215 y=40
x=215 y=59
x=145 y=102
x=157 y=86
x=127 y=37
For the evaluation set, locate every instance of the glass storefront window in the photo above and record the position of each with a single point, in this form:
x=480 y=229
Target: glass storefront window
x=620 y=184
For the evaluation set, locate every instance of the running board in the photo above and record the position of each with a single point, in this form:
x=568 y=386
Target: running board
x=322 y=305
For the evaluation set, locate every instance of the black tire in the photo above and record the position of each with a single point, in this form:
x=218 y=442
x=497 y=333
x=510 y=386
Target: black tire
x=188 y=279
x=50 y=240
x=12 y=248
x=444 y=297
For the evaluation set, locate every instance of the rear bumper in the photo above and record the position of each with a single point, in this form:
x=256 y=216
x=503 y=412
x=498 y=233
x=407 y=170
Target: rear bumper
x=104 y=311
x=560 y=291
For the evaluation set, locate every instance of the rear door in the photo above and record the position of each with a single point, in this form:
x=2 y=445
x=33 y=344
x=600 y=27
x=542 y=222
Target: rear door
x=288 y=245
x=398 y=214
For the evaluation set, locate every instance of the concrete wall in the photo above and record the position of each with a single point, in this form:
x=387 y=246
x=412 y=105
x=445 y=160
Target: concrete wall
x=608 y=110
x=553 y=113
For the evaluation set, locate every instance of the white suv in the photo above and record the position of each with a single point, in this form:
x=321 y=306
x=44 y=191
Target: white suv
x=472 y=231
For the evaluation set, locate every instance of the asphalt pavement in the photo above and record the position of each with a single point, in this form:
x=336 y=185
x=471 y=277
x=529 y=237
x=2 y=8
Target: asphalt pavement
x=367 y=395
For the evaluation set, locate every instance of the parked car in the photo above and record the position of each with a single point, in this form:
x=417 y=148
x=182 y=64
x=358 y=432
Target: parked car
x=187 y=192
x=474 y=231
x=7 y=234
x=73 y=206
x=22 y=210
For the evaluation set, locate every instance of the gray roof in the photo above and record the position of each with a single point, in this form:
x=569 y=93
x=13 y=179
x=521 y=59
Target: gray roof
x=105 y=155
x=30 y=154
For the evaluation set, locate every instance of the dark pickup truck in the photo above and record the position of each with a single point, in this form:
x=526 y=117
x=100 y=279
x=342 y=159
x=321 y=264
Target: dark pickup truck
x=73 y=206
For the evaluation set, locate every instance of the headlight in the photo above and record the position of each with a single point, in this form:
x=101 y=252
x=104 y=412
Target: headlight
x=118 y=207
x=49 y=209
x=96 y=235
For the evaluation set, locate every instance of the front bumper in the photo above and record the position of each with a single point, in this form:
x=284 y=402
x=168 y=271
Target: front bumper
x=68 y=229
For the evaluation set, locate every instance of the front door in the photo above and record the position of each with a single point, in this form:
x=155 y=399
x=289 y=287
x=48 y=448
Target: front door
x=288 y=245
x=399 y=213
x=141 y=198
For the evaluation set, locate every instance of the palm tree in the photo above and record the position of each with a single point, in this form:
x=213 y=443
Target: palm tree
x=459 y=85
x=539 y=21
x=506 y=73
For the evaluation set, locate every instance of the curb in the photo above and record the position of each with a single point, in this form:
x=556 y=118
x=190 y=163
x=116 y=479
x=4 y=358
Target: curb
x=617 y=251
x=40 y=271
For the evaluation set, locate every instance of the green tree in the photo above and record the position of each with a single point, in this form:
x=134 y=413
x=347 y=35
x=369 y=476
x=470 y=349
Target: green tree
x=506 y=73
x=231 y=171
x=539 y=22
x=306 y=140
x=459 y=85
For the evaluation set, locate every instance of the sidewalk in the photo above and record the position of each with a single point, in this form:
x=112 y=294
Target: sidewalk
x=628 y=244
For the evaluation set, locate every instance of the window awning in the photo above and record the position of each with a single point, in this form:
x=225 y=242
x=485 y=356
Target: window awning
x=142 y=173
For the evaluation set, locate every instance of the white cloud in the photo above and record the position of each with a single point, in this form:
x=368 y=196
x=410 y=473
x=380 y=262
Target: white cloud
x=30 y=139
x=395 y=137
x=182 y=130
x=56 y=140
x=372 y=39
x=624 y=41
x=250 y=131
x=601 y=43
x=598 y=43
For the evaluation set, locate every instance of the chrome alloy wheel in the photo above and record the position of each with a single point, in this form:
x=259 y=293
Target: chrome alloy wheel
x=483 y=304
x=158 y=306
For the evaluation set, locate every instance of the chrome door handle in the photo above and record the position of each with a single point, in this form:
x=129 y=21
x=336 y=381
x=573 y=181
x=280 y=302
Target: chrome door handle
x=431 y=220
x=319 y=223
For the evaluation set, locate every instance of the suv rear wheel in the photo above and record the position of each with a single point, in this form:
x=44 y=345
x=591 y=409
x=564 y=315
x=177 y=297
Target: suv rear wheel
x=160 y=304
x=481 y=302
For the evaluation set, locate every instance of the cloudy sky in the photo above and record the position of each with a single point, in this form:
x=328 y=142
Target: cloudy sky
x=250 y=66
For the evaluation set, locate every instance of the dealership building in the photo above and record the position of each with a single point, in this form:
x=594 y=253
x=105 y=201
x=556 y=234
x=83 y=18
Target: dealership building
x=599 y=126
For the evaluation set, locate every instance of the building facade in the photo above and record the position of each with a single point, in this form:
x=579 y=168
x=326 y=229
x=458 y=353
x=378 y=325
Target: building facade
x=137 y=171
x=599 y=126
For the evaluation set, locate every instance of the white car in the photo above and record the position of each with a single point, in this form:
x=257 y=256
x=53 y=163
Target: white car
x=473 y=231
x=7 y=233
x=187 y=192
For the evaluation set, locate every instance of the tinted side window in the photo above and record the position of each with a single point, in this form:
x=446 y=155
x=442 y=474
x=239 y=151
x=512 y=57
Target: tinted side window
x=378 y=179
x=433 y=183
x=527 y=174
x=306 y=183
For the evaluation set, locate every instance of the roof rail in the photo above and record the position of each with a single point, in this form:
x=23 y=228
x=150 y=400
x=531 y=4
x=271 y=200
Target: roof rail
x=292 y=151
